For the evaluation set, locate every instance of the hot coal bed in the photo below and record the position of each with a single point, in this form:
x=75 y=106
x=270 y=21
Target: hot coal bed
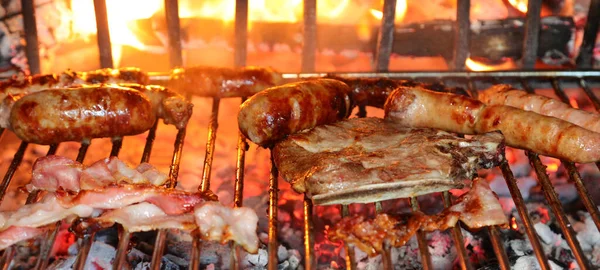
x=297 y=239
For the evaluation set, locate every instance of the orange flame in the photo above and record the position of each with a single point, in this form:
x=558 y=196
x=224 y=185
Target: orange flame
x=401 y=7
x=553 y=165
x=479 y=66
x=520 y=5
x=573 y=103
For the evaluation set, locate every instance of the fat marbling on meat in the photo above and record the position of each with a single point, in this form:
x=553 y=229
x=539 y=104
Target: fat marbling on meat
x=363 y=160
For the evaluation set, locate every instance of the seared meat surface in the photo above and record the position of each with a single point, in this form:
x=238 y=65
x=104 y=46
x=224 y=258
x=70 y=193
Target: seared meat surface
x=363 y=160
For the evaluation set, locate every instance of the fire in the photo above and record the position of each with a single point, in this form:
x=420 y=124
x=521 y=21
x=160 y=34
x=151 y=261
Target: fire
x=573 y=103
x=120 y=16
x=513 y=224
x=401 y=7
x=521 y=5
x=474 y=65
x=553 y=165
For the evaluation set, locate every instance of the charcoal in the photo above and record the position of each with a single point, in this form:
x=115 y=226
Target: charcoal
x=179 y=261
x=259 y=259
x=284 y=266
x=294 y=259
x=62 y=264
x=135 y=256
x=282 y=253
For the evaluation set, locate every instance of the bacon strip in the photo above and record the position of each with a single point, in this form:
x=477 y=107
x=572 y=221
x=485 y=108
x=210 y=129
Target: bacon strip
x=477 y=208
x=14 y=235
x=214 y=221
x=52 y=173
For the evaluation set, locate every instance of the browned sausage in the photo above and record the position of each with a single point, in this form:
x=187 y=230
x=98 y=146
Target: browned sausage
x=419 y=107
x=223 y=82
x=82 y=113
x=273 y=114
x=173 y=108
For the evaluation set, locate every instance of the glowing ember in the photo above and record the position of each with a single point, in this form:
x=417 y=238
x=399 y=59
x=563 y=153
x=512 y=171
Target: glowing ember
x=573 y=103
x=521 y=5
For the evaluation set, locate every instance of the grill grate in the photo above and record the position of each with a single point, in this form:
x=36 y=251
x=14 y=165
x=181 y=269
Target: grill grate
x=528 y=80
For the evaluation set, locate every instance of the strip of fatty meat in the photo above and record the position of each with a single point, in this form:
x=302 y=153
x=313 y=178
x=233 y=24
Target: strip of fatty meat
x=477 y=208
x=59 y=206
x=214 y=221
x=52 y=173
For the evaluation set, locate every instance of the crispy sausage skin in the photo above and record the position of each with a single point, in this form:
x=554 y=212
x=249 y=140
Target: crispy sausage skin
x=419 y=107
x=283 y=110
x=173 y=108
x=503 y=94
x=82 y=113
x=223 y=82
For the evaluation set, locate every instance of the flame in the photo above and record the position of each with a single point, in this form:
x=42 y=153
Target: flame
x=401 y=7
x=574 y=103
x=120 y=16
x=553 y=165
x=479 y=66
x=513 y=223
x=520 y=5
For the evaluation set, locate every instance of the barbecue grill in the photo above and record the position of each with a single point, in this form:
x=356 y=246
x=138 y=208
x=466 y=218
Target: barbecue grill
x=527 y=78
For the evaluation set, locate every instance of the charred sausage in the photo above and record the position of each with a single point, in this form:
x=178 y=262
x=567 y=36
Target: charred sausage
x=173 y=108
x=419 y=107
x=283 y=110
x=505 y=95
x=223 y=82
x=83 y=113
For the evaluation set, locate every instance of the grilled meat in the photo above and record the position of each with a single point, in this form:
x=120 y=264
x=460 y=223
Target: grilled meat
x=374 y=92
x=173 y=108
x=277 y=112
x=60 y=115
x=14 y=235
x=477 y=208
x=168 y=105
x=53 y=173
x=503 y=94
x=223 y=82
x=362 y=160
x=419 y=107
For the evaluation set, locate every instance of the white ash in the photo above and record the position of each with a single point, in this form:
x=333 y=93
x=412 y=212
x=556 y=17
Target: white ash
x=531 y=263
x=499 y=186
x=100 y=256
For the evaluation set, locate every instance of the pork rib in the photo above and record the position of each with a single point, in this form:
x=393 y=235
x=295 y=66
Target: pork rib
x=362 y=160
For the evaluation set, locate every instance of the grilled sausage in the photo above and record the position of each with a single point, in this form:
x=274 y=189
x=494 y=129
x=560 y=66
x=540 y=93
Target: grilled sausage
x=419 y=107
x=173 y=108
x=18 y=86
x=273 y=114
x=83 y=113
x=223 y=82
x=505 y=95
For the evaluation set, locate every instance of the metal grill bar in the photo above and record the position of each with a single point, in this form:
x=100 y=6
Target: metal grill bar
x=584 y=85
x=241 y=33
x=125 y=236
x=441 y=74
x=309 y=237
x=559 y=213
x=210 y=145
x=532 y=32
x=421 y=238
x=573 y=174
x=349 y=249
x=103 y=35
x=86 y=242
x=385 y=40
x=273 y=199
x=586 y=50
x=309 y=42
x=31 y=38
x=17 y=159
x=457 y=236
x=498 y=246
x=159 y=243
x=462 y=37
x=515 y=193
x=174 y=30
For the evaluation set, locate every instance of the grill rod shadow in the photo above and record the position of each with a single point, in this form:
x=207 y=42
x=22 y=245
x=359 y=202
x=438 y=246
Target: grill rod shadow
x=124 y=238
